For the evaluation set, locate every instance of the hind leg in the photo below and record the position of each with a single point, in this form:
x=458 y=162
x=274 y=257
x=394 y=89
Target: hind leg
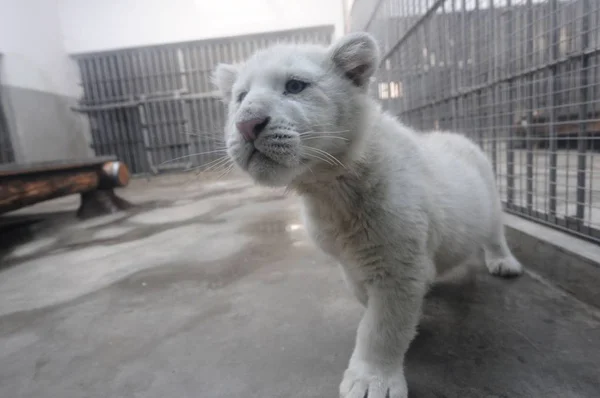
x=498 y=257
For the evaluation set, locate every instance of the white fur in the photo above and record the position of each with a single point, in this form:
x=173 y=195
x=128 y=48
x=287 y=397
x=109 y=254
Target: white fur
x=392 y=206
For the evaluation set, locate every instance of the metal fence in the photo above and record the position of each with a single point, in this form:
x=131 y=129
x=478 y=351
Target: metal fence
x=520 y=77
x=7 y=154
x=155 y=108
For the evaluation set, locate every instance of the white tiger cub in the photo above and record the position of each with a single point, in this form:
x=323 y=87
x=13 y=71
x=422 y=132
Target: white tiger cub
x=392 y=206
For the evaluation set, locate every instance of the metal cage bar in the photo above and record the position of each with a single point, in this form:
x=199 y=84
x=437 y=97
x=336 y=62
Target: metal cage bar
x=7 y=154
x=519 y=77
x=155 y=107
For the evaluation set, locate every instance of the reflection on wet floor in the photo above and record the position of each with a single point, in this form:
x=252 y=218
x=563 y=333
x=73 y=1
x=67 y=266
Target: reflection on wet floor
x=142 y=221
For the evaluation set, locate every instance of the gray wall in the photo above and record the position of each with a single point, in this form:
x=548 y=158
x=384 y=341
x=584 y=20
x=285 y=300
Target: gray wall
x=42 y=126
x=38 y=82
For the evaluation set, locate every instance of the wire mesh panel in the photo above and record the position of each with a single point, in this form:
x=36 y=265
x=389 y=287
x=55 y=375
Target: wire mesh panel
x=519 y=77
x=156 y=108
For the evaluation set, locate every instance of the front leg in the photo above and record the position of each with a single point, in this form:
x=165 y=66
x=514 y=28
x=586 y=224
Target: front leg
x=376 y=368
x=356 y=288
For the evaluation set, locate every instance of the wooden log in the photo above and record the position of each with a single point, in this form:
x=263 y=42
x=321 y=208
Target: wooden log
x=36 y=183
x=16 y=193
x=113 y=175
x=22 y=169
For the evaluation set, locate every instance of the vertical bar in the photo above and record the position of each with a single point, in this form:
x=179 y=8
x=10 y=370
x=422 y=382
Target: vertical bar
x=583 y=114
x=202 y=105
x=144 y=127
x=166 y=68
x=111 y=132
x=183 y=68
x=510 y=153
x=168 y=150
x=131 y=72
x=94 y=131
x=114 y=133
x=137 y=62
x=94 y=80
x=95 y=70
x=150 y=61
x=85 y=79
x=493 y=89
x=477 y=68
x=199 y=113
x=174 y=71
x=103 y=127
x=174 y=126
x=154 y=139
x=529 y=108
x=125 y=90
x=553 y=100
x=124 y=136
x=116 y=82
x=133 y=133
x=214 y=120
x=157 y=130
x=103 y=67
x=462 y=99
x=144 y=68
x=389 y=103
x=197 y=72
x=158 y=74
x=161 y=67
x=454 y=70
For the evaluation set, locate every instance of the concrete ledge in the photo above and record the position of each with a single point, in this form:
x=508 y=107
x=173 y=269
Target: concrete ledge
x=565 y=260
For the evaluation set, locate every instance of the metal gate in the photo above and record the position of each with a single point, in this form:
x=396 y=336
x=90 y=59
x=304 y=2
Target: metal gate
x=155 y=107
x=7 y=154
x=521 y=77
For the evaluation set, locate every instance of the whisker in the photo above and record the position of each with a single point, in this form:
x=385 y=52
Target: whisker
x=328 y=125
x=192 y=155
x=207 y=164
x=194 y=168
x=185 y=133
x=312 y=155
x=315 y=137
x=207 y=135
x=224 y=161
x=205 y=132
x=217 y=160
x=327 y=154
x=223 y=167
x=226 y=172
x=323 y=132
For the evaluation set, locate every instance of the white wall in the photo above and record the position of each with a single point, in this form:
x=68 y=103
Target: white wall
x=92 y=25
x=31 y=42
x=35 y=35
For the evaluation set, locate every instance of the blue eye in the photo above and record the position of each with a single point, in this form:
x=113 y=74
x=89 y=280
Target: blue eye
x=294 y=86
x=241 y=97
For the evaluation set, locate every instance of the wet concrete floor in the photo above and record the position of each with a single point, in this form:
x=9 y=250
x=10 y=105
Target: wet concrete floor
x=212 y=290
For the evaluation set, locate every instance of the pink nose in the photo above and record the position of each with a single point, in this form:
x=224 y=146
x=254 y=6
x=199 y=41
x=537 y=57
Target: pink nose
x=250 y=129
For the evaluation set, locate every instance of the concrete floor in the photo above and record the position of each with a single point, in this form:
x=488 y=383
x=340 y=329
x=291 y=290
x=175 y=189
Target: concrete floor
x=211 y=290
